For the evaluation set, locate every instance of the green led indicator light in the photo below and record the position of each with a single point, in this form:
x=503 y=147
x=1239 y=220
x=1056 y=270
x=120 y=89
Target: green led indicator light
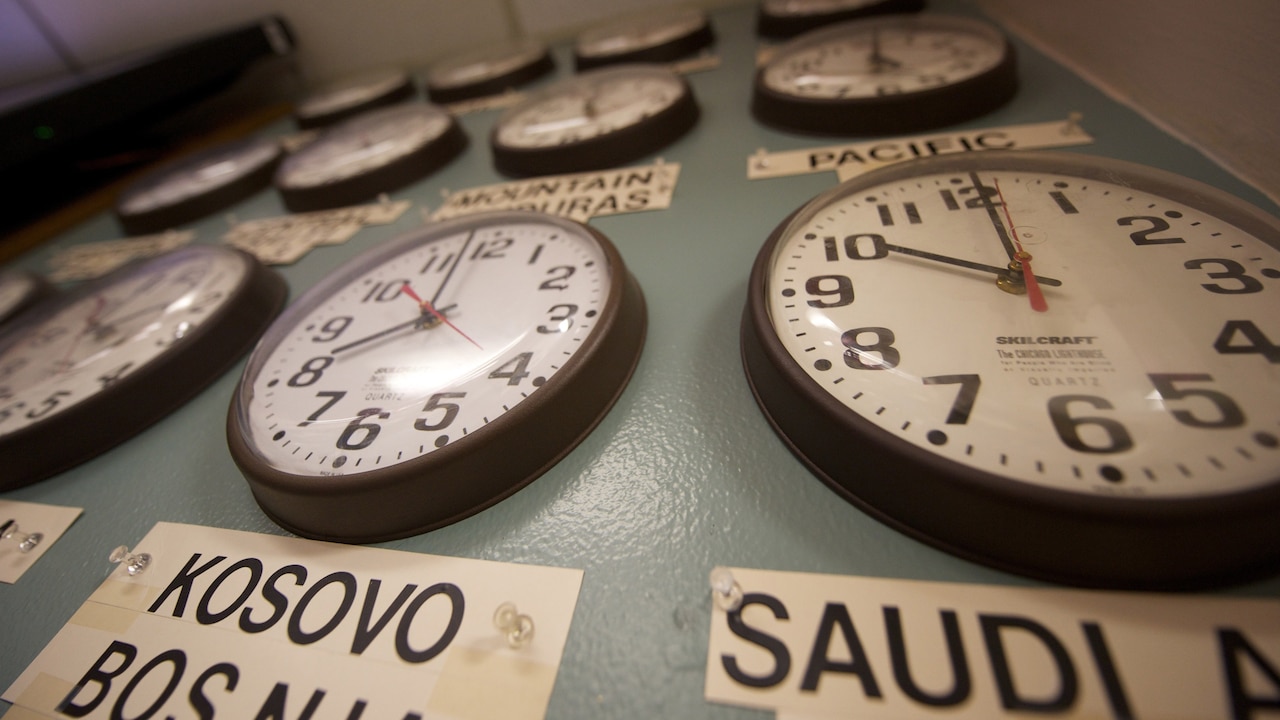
x=44 y=132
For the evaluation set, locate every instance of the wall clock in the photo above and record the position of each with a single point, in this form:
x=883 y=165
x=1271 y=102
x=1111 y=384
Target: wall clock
x=488 y=71
x=349 y=96
x=1064 y=366
x=376 y=152
x=655 y=36
x=891 y=74
x=20 y=291
x=434 y=376
x=104 y=361
x=788 y=18
x=597 y=119
x=195 y=186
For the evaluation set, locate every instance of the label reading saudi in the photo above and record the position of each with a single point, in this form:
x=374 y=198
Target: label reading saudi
x=229 y=624
x=827 y=646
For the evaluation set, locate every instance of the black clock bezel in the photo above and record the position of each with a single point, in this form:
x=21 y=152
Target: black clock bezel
x=471 y=473
x=887 y=114
x=780 y=27
x=608 y=150
x=167 y=381
x=1072 y=538
x=219 y=197
x=392 y=175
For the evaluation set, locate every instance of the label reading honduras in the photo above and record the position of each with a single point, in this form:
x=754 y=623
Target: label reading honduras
x=579 y=197
x=232 y=624
x=852 y=160
x=827 y=646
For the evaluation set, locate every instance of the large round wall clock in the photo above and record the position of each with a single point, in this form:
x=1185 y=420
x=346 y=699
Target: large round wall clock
x=104 y=361
x=487 y=71
x=1063 y=366
x=436 y=375
x=890 y=74
x=195 y=186
x=788 y=18
x=654 y=36
x=349 y=96
x=376 y=152
x=594 y=120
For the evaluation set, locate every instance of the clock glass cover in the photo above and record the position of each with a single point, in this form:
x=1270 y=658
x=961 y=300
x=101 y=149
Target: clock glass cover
x=487 y=71
x=1060 y=365
x=102 y=362
x=434 y=376
x=352 y=95
x=376 y=152
x=597 y=119
x=654 y=36
x=788 y=18
x=890 y=74
x=198 y=185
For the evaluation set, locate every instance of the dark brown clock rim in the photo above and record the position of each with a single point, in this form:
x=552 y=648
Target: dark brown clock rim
x=1150 y=544
x=473 y=472
x=674 y=49
x=540 y=66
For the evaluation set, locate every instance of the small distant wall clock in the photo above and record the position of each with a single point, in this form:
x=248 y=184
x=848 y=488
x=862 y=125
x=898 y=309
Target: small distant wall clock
x=1060 y=365
x=655 y=36
x=349 y=96
x=885 y=75
x=101 y=362
x=487 y=71
x=788 y=18
x=594 y=120
x=376 y=152
x=195 y=186
x=433 y=376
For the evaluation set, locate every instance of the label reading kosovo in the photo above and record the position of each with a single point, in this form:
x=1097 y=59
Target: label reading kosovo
x=238 y=625
x=819 y=646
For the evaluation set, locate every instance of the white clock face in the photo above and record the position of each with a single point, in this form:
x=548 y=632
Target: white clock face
x=1147 y=365
x=422 y=348
x=362 y=144
x=884 y=56
x=638 y=32
x=200 y=175
x=590 y=105
x=484 y=64
x=100 y=338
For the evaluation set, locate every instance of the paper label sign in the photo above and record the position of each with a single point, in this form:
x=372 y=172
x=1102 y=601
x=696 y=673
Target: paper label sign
x=285 y=239
x=579 y=197
x=826 y=646
x=851 y=160
x=231 y=624
x=27 y=531
x=93 y=260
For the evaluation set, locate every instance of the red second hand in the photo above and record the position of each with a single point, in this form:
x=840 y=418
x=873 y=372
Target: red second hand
x=1038 y=303
x=423 y=304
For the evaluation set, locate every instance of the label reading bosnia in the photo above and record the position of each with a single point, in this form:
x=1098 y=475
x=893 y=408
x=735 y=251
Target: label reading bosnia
x=579 y=197
x=852 y=160
x=233 y=624
x=828 y=646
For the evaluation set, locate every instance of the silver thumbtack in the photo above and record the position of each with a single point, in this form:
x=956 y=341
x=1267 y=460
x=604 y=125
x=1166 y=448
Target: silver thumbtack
x=1073 y=123
x=231 y=219
x=26 y=541
x=725 y=589
x=762 y=159
x=133 y=563
x=383 y=199
x=518 y=628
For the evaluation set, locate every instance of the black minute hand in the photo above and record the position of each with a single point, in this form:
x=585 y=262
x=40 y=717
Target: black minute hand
x=926 y=255
x=384 y=333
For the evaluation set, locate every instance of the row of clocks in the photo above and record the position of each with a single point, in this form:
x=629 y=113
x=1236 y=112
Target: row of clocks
x=1059 y=365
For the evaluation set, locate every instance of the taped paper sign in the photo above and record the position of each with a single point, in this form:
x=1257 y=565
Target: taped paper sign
x=92 y=260
x=285 y=239
x=827 y=646
x=852 y=160
x=579 y=197
x=232 y=624
x=28 y=530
